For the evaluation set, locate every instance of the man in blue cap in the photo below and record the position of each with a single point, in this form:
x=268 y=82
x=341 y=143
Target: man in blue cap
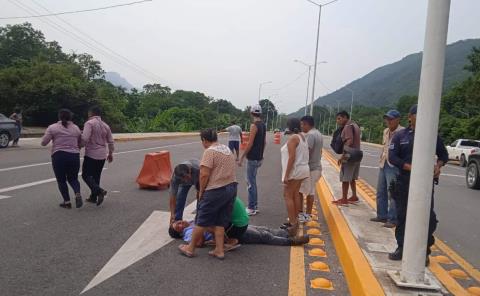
x=387 y=173
x=400 y=155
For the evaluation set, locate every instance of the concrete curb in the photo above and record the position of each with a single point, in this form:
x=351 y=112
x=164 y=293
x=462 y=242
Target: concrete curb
x=441 y=250
x=156 y=137
x=359 y=275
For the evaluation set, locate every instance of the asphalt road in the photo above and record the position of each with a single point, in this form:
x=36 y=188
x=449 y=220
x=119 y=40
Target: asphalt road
x=47 y=250
x=457 y=207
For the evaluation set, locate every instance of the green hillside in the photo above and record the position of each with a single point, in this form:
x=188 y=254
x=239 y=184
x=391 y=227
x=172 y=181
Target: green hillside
x=385 y=85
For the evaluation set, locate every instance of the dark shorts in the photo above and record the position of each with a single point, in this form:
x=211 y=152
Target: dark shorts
x=235 y=232
x=234 y=145
x=215 y=207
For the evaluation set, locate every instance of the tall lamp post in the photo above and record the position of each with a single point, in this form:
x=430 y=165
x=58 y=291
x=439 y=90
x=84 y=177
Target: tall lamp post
x=308 y=81
x=260 y=88
x=420 y=191
x=316 y=49
x=351 y=104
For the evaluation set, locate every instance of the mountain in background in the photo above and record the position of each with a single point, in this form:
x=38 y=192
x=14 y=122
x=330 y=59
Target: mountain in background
x=385 y=85
x=117 y=80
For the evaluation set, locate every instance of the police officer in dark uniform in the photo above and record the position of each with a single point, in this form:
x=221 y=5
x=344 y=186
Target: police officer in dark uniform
x=400 y=155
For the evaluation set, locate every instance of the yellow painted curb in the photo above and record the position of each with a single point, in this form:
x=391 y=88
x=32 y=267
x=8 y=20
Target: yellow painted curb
x=368 y=194
x=359 y=275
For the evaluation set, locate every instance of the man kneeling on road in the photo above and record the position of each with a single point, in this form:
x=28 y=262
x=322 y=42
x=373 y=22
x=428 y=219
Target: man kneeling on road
x=239 y=232
x=185 y=175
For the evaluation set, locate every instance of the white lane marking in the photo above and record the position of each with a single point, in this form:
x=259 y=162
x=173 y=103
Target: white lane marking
x=24 y=166
x=149 y=237
x=455 y=167
x=115 y=153
x=26 y=185
x=369 y=167
x=12 y=188
x=4 y=197
x=450 y=175
x=159 y=147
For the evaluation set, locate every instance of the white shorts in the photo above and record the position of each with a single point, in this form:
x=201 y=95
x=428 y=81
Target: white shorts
x=308 y=186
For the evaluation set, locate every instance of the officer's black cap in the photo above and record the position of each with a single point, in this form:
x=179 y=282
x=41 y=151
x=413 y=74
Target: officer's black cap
x=413 y=110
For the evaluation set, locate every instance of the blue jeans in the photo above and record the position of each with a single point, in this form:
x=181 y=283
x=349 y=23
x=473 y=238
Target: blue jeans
x=252 y=167
x=385 y=176
x=181 y=199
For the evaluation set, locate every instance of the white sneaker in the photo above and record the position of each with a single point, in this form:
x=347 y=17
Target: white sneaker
x=251 y=212
x=307 y=217
x=301 y=218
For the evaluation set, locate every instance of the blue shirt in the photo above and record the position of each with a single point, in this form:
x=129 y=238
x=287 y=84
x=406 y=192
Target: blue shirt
x=401 y=149
x=187 y=234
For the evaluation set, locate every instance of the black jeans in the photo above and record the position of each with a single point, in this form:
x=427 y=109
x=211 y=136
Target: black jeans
x=401 y=202
x=66 y=166
x=91 y=173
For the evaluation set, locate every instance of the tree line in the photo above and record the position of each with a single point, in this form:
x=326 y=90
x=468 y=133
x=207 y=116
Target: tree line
x=39 y=78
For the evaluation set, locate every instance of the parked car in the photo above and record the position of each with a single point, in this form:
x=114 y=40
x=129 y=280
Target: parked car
x=8 y=131
x=473 y=171
x=461 y=149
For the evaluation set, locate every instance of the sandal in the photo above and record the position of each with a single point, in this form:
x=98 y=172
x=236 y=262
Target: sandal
x=184 y=252
x=229 y=248
x=211 y=253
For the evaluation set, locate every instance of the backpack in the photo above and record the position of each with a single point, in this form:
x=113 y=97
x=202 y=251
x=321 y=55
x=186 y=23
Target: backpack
x=337 y=142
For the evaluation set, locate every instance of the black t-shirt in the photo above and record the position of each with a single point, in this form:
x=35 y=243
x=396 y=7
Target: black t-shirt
x=256 y=153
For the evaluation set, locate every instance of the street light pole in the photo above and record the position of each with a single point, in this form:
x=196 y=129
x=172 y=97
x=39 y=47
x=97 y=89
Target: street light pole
x=316 y=50
x=351 y=104
x=308 y=81
x=260 y=88
x=426 y=130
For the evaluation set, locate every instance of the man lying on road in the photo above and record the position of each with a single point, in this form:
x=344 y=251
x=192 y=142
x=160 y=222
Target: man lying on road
x=239 y=232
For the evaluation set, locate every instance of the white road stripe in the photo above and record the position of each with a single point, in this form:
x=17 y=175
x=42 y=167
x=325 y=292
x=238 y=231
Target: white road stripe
x=24 y=166
x=31 y=184
x=149 y=237
x=116 y=153
x=27 y=185
x=4 y=197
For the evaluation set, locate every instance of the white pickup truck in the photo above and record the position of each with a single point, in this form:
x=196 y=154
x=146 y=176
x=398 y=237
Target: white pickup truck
x=461 y=149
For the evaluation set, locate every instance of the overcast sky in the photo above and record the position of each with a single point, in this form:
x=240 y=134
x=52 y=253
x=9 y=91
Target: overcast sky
x=225 y=48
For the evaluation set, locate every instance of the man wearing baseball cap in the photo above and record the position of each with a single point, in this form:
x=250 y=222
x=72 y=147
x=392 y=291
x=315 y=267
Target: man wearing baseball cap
x=400 y=155
x=254 y=155
x=386 y=213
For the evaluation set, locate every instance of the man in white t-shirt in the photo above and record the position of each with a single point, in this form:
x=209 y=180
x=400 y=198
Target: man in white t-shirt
x=234 y=138
x=315 y=144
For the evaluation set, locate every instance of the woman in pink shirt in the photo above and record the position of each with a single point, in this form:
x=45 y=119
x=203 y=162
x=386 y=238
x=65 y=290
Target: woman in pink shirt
x=66 y=139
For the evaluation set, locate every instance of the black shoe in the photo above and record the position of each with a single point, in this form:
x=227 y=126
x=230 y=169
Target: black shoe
x=91 y=200
x=101 y=196
x=376 y=219
x=397 y=255
x=78 y=202
x=65 y=205
x=285 y=225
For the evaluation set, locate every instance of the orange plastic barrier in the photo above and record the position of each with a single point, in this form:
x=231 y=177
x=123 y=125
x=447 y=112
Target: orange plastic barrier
x=245 y=138
x=277 y=138
x=156 y=171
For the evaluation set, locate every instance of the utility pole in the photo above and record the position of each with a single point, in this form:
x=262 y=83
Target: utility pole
x=426 y=130
x=316 y=50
